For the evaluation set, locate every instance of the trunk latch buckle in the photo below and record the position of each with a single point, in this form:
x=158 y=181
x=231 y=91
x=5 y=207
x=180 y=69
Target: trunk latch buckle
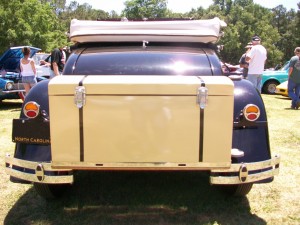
x=79 y=97
x=202 y=95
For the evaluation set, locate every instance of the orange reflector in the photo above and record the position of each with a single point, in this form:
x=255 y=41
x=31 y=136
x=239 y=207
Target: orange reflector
x=251 y=112
x=31 y=106
x=252 y=109
x=31 y=109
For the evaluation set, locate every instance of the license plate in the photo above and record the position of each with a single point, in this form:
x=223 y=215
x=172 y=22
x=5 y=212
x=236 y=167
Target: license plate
x=31 y=132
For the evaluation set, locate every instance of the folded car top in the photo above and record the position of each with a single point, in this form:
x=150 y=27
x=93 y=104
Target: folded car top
x=201 y=31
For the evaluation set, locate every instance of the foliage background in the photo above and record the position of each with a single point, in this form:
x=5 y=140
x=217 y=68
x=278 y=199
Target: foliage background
x=45 y=23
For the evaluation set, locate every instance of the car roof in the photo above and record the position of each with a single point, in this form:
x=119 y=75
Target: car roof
x=107 y=58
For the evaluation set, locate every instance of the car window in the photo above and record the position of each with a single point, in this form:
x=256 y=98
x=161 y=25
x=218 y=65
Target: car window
x=143 y=63
x=38 y=57
x=285 y=66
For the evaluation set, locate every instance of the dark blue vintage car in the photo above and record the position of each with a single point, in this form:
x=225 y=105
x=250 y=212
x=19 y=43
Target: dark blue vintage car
x=10 y=78
x=144 y=98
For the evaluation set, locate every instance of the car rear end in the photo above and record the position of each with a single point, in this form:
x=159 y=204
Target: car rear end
x=143 y=106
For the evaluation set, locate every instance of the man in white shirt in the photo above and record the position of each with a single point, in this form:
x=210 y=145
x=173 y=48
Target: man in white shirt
x=256 y=57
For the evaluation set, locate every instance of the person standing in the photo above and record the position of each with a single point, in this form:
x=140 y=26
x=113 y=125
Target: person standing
x=57 y=61
x=294 y=79
x=243 y=63
x=28 y=70
x=256 y=58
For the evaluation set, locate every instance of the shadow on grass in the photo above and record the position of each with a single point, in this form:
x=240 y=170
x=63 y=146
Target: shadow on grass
x=11 y=105
x=135 y=198
x=283 y=98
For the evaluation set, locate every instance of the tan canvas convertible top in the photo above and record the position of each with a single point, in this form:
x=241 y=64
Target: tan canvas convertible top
x=204 y=31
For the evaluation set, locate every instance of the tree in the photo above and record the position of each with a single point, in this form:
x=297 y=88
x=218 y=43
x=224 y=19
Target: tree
x=286 y=23
x=81 y=12
x=197 y=13
x=57 y=5
x=224 y=5
x=145 y=9
x=245 y=21
x=28 y=23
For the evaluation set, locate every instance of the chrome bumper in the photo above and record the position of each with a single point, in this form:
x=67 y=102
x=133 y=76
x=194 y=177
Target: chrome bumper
x=246 y=172
x=14 y=91
x=37 y=172
x=236 y=174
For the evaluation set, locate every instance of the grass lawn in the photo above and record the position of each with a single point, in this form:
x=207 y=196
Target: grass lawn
x=161 y=198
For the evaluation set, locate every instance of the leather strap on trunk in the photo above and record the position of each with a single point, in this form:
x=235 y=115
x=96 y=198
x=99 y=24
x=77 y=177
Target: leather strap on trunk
x=201 y=125
x=81 y=137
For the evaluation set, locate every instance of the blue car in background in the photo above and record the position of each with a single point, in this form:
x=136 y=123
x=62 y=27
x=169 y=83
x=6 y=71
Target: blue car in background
x=11 y=86
x=272 y=78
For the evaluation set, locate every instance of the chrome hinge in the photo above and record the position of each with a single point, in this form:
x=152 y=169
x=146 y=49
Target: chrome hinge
x=202 y=96
x=79 y=97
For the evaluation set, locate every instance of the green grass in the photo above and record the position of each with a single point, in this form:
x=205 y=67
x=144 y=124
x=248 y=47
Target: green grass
x=161 y=198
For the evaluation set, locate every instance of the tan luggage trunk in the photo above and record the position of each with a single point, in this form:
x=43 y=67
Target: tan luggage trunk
x=140 y=121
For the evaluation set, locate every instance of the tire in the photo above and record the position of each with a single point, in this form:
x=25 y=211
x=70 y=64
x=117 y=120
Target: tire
x=237 y=190
x=270 y=87
x=22 y=95
x=51 y=191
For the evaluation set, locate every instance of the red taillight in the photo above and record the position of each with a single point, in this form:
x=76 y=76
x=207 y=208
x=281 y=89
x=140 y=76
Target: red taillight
x=251 y=112
x=31 y=109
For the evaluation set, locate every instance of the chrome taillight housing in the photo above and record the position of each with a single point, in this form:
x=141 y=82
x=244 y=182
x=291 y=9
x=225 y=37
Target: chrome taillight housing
x=31 y=109
x=251 y=112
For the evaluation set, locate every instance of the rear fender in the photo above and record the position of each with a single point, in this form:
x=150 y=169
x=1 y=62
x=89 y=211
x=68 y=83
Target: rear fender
x=251 y=137
x=39 y=79
x=38 y=153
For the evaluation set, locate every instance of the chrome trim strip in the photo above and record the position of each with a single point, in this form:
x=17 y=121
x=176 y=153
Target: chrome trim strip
x=251 y=166
x=13 y=91
x=31 y=165
x=33 y=177
x=68 y=179
x=250 y=179
x=139 y=165
x=221 y=176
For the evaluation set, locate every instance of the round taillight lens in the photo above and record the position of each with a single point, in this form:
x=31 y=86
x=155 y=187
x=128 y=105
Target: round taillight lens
x=31 y=109
x=251 y=112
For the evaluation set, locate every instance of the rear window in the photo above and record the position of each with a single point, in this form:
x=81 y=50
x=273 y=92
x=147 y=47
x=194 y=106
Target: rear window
x=142 y=63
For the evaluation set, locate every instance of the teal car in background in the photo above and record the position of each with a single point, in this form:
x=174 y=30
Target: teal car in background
x=272 y=78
